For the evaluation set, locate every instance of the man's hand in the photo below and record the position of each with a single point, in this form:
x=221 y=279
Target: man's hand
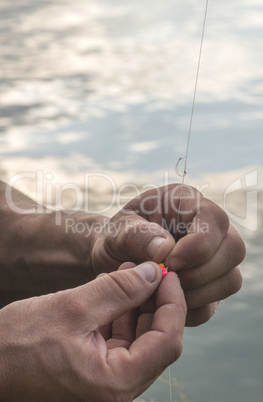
x=52 y=347
x=190 y=234
x=192 y=237
x=37 y=255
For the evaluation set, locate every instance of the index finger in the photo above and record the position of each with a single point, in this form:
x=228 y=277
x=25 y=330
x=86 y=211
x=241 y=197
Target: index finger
x=156 y=349
x=203 y=228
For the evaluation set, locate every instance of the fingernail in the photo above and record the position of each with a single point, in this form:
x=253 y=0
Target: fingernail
x=147 y=271
x=154 y=245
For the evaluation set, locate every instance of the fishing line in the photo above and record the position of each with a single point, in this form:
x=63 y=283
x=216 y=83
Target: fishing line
x=187 y=148
x=185 y=158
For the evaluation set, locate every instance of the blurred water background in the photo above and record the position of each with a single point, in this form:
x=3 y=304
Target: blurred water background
x=106 y=87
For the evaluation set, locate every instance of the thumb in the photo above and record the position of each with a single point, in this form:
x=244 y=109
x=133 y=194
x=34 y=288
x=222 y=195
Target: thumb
x=110 y=296
x=131 y=239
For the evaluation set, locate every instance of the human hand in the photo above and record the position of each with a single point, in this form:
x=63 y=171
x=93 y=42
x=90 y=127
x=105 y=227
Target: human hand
x=192 y=237
x=52 y=348
x=42 y=251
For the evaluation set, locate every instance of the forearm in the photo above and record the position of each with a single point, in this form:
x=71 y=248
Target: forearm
x=38 y=255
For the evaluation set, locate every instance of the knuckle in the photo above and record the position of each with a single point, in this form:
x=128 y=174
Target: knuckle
x=236 y=247
x=131 y=241
x=124 y=284
x=237 y=279
x=219 y=216
x=192 y=278
x=222 y=219
x=177 y=347
x=191 y=297
x=132 y=230
x=205 y=248
x=233 y=281
x=183 y=306
x=180 y=308
x=199 y=316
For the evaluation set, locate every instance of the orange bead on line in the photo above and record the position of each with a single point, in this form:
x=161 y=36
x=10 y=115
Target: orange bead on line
x=164 y=270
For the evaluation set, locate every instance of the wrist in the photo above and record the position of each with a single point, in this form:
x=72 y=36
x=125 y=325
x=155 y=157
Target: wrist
x=44 y=257
x=43 y=252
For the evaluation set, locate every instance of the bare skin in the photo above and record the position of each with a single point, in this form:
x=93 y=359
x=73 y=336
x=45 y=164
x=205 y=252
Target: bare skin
x=52 y=349
x=201 y=245
x=38 y=257
x=44 y=339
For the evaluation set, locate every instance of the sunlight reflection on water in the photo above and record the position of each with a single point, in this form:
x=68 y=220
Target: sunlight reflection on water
x=112 y=77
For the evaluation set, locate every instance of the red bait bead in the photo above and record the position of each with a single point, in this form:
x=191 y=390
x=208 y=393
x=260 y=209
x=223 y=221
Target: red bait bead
x=164 y=270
